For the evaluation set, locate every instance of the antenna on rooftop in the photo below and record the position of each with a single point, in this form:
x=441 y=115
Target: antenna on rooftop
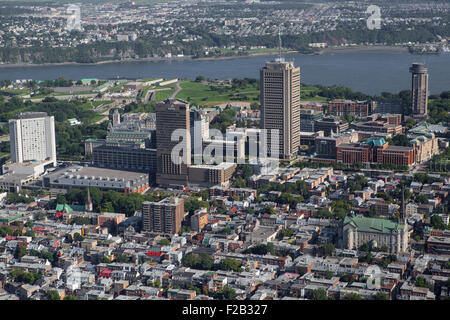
x=279 y=42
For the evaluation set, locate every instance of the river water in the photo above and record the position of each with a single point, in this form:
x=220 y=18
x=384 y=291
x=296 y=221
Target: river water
x=370 y=72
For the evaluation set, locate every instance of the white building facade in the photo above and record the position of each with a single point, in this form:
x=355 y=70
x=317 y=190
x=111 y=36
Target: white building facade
x=32 y=136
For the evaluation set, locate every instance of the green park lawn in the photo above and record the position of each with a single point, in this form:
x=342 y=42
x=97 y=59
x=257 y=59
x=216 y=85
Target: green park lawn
x=163 y=95
x=197 y=93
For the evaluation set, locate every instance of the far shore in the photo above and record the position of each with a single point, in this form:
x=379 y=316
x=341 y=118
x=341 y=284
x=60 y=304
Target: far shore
x=190 y=58
x=155 y=59
x=363 y=48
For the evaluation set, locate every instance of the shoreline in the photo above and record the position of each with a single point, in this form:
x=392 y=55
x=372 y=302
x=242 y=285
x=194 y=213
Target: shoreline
x=363 y=49
x=159 y=59
x=190 y=58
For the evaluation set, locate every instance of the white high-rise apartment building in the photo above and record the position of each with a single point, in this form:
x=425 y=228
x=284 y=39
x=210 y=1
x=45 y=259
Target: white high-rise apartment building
x=32 y=136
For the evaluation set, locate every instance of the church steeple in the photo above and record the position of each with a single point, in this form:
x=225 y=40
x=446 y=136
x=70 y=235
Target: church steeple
x=88 y=205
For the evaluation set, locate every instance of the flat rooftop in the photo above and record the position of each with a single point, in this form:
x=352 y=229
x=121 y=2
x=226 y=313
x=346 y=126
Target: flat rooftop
x=31 y=115
x=223 y=165
x=442 y=240
x=398 y=148
x=95 y=172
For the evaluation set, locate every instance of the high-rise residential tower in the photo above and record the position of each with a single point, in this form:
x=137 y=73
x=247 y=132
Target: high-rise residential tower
x=164 y=216
x=116 y=118
x=171 y=115
x=280 y=105
x=419 y=90
x=32 y=136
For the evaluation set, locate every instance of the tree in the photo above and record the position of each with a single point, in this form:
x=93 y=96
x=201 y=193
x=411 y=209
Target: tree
x=26 y=277
x=422 y=199
x=365 y=247
x=421 y=282
x=164 y=242
x=269 y=210
x=288 y=232
x=261 y=249
x=30 y=233
x=226 y=293
x=381 y=296
x=53 y=295
x=353 y=296
x=60 y=199
x=201 y=261
x=437 y=222
x=340 y=213
x=80 y=221
x=70 y=297
x=328 y=249
x=157 y=283
x=227 y=230
x=270 y=248
x=96 y=197
x=347 y=278
x=317 y=294
x=323 y=213
x=240 y=182
x=46 y=255
x=21 y=250
x=40 y=215
x=207 y=261
x=372 y=212
x=106 y=207
x=122 y=258
x=78 y=237
x=246 y=171
x=400 y=140
x=221 y=209
x=230 y=264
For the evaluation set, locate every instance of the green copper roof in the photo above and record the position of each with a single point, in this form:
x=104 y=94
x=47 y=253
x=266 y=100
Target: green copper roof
x=10 y=218
x=364 y=224
x=69 y=208
x=376 y=142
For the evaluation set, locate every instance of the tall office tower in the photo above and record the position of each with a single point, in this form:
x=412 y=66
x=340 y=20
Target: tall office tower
x=419 y=90
x=171 y=115
x=280 y=105
x=32 y=136
x=116 y=117
x=164 y=216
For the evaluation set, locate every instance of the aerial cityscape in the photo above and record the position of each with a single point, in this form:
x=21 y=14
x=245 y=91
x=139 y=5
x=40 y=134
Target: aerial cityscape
x=204 y=187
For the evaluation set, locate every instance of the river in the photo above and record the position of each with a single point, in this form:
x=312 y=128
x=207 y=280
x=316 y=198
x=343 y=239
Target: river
x=370 y=72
